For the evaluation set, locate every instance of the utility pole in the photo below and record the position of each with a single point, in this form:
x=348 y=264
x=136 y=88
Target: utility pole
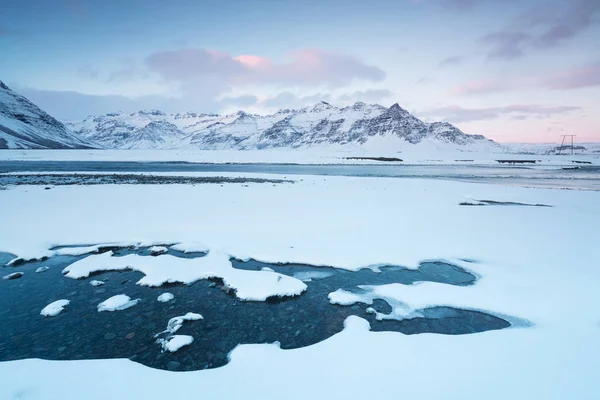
x=564 y=138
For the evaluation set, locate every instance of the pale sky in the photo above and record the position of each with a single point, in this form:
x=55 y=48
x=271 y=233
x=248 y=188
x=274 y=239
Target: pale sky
x=513 y=70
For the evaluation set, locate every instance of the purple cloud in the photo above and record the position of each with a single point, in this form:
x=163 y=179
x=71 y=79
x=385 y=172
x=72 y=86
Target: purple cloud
x=563 y=26
x=576 y=78
x=505 y=45
x=458 y=114
x=586 y=76
x=451 y=61
x=461 y=5
x=368 y=96
x=542 y=29
x=305 y=68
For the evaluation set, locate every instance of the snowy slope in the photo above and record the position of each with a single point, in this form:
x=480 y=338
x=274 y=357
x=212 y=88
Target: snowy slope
x=314 y=126
x=23 y=125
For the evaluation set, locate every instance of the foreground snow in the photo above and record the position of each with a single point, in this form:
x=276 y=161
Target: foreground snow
x=507 y=364
x=537 y=264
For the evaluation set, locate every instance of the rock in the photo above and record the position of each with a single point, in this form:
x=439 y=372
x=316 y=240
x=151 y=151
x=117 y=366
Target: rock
x=173 y=365
x=130 y=335
x=110 y=336
x=14 y=275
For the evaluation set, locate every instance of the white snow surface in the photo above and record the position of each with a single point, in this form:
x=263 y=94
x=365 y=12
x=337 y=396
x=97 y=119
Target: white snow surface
x=190 y=247
x=165 y=297
x=424 y=153
x=117 y=303
x=54 y=308
x=96 y=283
x=248 y=285
x=175 y=342
x=537 y=264
x=158 y=249
x=177 y=322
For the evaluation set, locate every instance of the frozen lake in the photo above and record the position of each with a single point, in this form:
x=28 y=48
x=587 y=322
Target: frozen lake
x=585 y=177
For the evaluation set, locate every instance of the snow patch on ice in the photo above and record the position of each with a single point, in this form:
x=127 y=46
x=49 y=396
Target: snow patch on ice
x=42 y=269
x=177 y=322
x=190 y=247
x=309 y=276
x=117 y=303
x=156 y=250
x=175 y=342
x=96 y=283
x=76 y=251
x=165 y=297
x=247 y=285
x=54 y=308
x=172 y=342
x=346 y=298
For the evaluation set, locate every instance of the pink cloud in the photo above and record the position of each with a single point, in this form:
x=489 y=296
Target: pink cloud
x=480 y=87
x=308 y=67
x=576 y=78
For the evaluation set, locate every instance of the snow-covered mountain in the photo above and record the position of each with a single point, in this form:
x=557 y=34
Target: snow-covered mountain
x=23 y=125
x=314 y=126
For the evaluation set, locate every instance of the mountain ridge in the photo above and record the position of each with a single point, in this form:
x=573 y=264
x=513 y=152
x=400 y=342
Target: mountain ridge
x=314 y=125
x=24 y=125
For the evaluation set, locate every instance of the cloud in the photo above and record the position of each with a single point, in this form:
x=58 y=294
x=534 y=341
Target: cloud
x=541 y=29
x=577 y=78
x=458 y=114
x=304 y=68
x=425 y=80
x=245 y=100
x=73 y=105
x=451 y=61
x=483 y=87
x=367 y=96
x=461 y=5
x=290 y=100
x=87 y=71
x=505 y=45
x=563 y=26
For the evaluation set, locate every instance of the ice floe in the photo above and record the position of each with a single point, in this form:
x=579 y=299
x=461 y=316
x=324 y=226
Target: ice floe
x=42 y=269
x=175 y=342
x=190 y=247
x=117 y=303
x=165 y=297
x=247 y=285
x=54 y=308
x=170 y=341
x=96 y=283
x=156 y=250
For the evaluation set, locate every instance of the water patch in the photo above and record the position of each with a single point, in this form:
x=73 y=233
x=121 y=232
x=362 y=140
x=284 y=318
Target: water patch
x=81 y=332
x=123 y=179
x=499 y=203
x=428 y=271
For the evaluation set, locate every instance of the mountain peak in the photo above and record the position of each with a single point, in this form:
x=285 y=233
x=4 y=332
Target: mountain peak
x=3 y=86
x=320 y=106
